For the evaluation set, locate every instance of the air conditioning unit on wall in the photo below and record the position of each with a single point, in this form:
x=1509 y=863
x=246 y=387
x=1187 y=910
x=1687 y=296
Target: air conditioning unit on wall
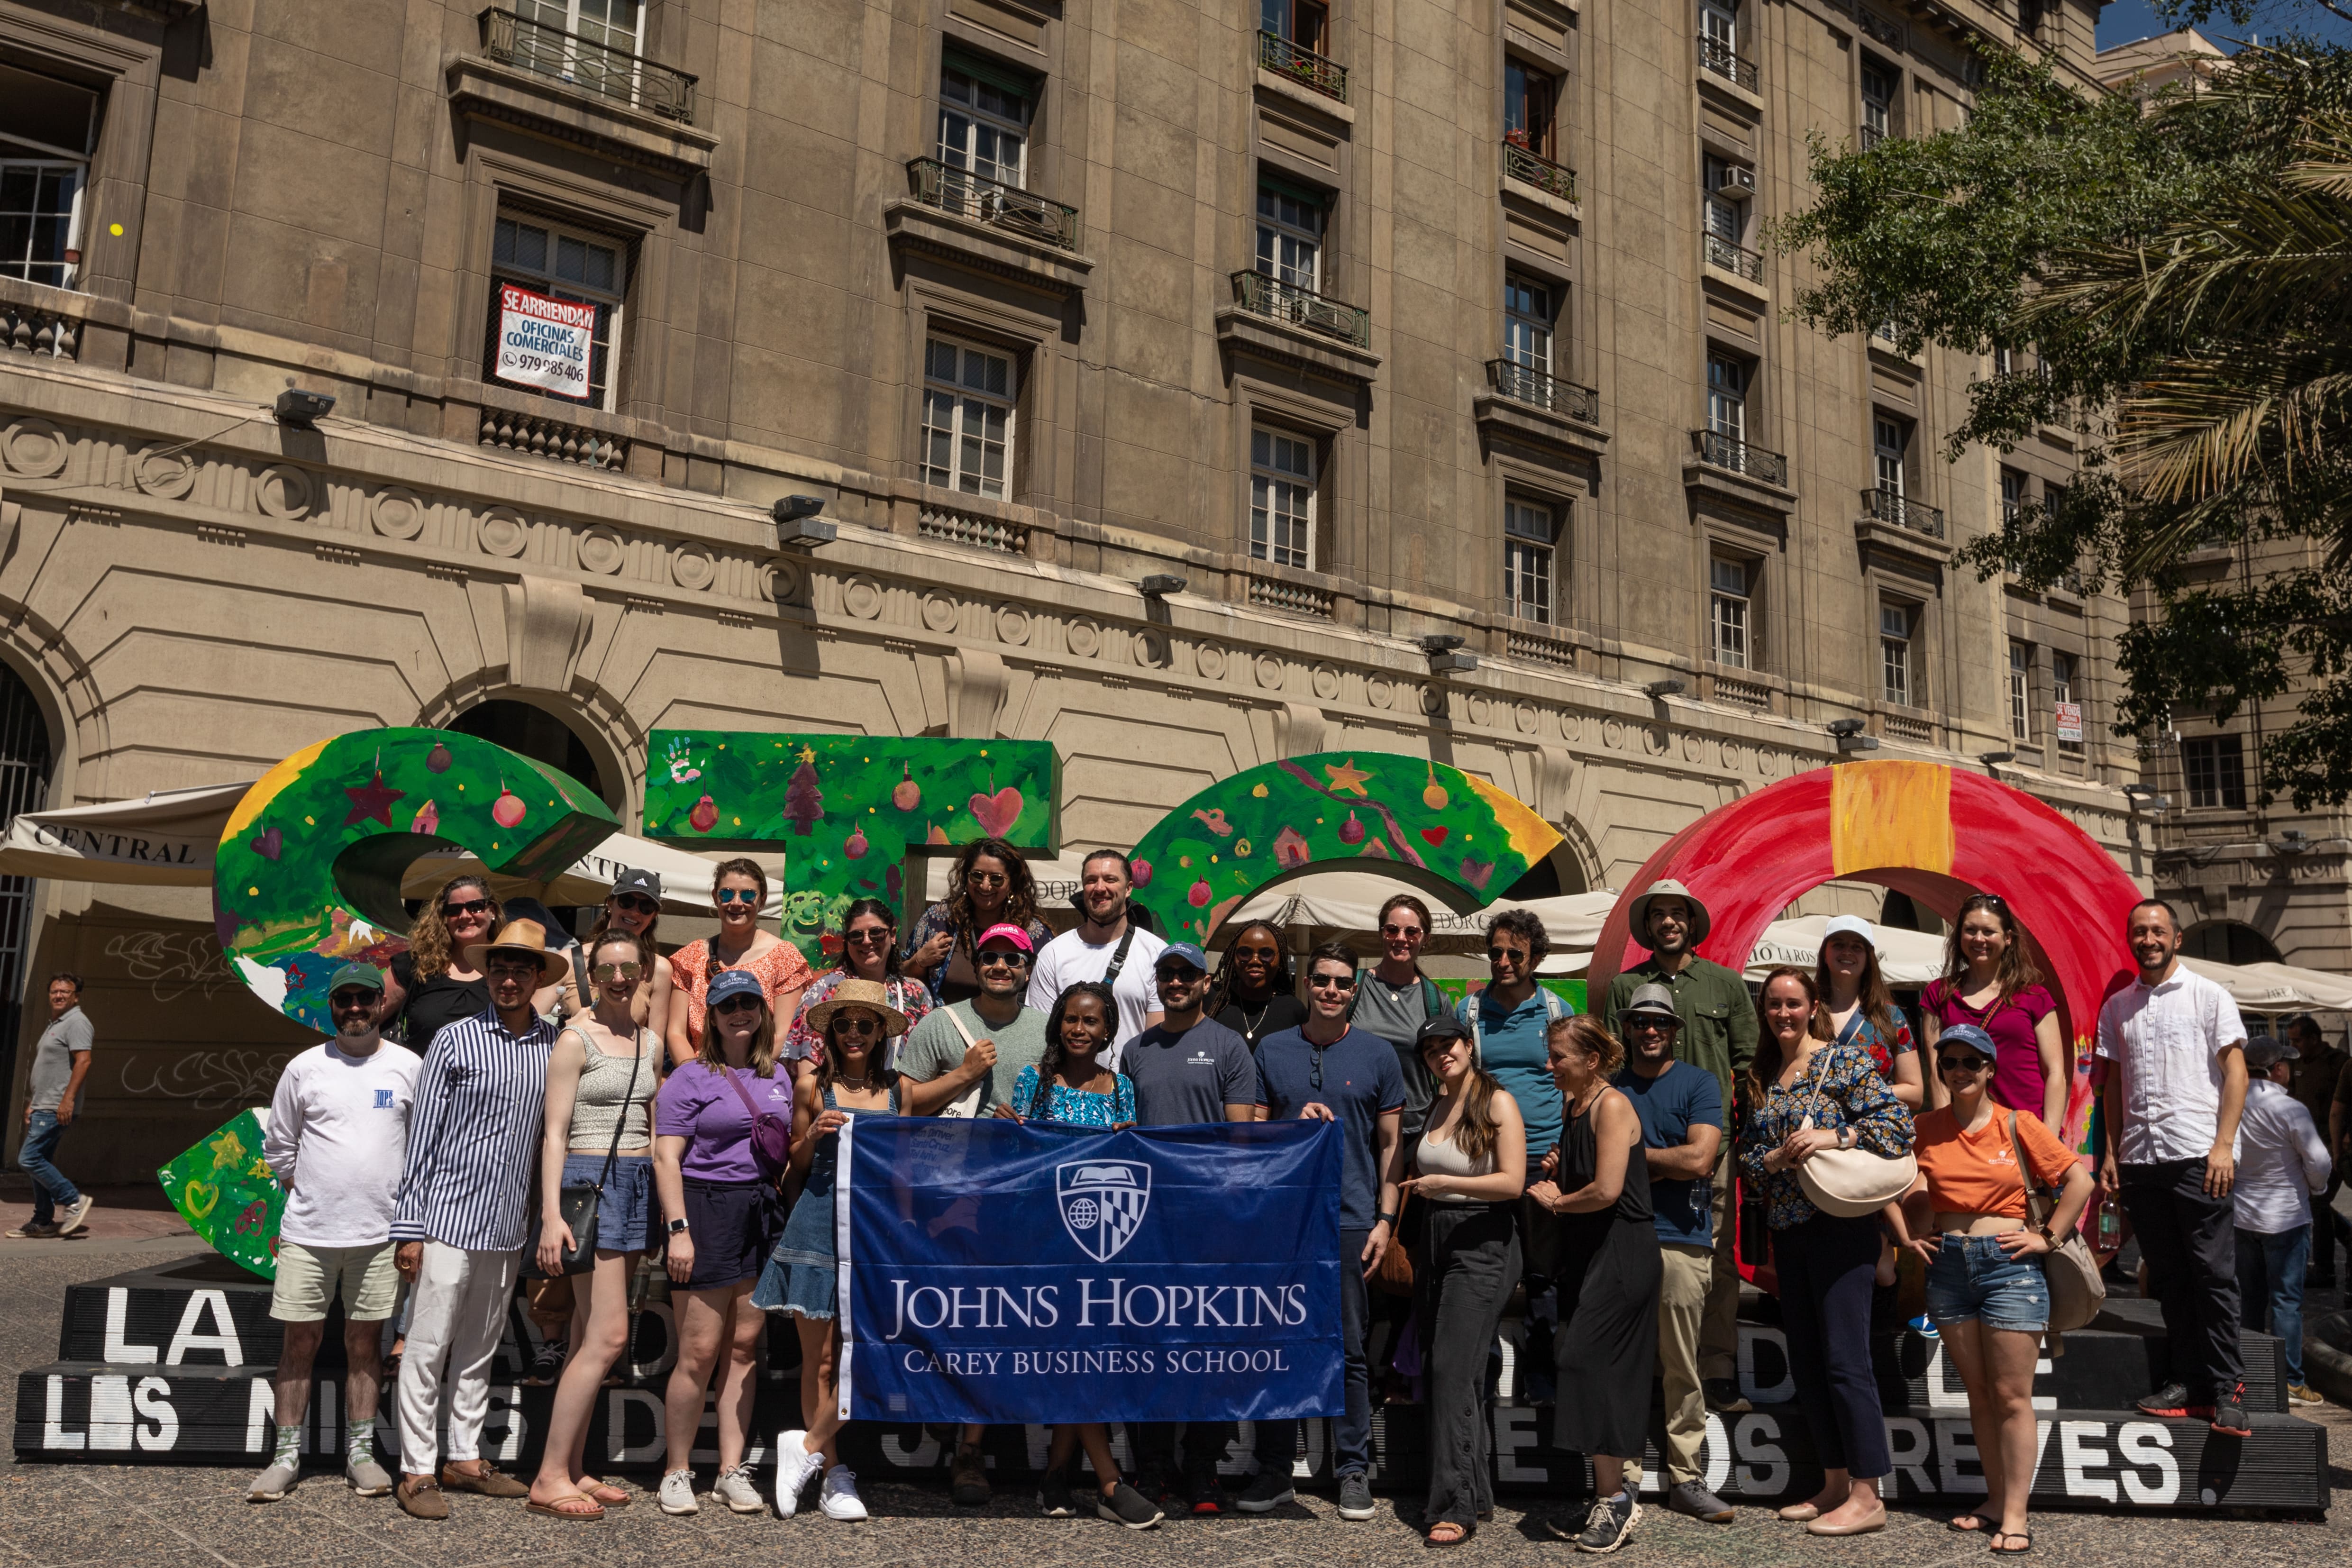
x=1736 y=182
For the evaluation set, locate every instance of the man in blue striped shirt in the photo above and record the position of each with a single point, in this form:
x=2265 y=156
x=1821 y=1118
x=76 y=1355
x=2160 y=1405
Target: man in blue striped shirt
x=458 y=1216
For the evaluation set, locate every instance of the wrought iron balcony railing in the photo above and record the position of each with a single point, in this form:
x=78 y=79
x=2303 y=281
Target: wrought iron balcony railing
x=1717 y=450
x=1895 y=507
x=967 y=195
x=1305 y=67
x=1715 y=55
x=599 y=68
x=1539 y=389
x=1541 y=172
x=1277 y=300
x=1871 y=137
x=1735 y=259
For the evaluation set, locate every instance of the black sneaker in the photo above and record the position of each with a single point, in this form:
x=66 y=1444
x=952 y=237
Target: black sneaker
x=1355 y=1496
x=548 y=1364
x=1611 y=1524
x=1723 y=1396
x=1693 y=1498
x=2230 y=1412
x=1267 y=1490
x=1203 y=1495
x=1129 y=1506
x=1054 y=1496
x=1154 y=1486
x=2171 y=1400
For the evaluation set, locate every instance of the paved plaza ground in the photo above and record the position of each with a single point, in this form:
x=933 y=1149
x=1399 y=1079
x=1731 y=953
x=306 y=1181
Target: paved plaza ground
x=53 y=1515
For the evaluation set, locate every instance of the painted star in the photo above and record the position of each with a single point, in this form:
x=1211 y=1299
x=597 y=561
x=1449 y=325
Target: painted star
x=372 y=800
x=1347 y=776
x=228 y=1150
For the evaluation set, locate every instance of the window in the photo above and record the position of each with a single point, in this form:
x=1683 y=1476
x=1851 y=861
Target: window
x=1290 y=235
x=1527 y=534
x=2020 y=691
x=1726 y=397
x=616 y=23
x=1526 y=325
x=48 y=129
x=567 y=263
x=967 y=418
x=1282 y=499
x=2062 y=694
x=2004 y=360
x=984 y=113
x=1879 y=82
x=2013 y=495
x=1302 y=21
x=1728 y=612
x=1890 y=441
x=1530 y=108
x=1725 y=219
x=2215 y=771
x=1895 y=629
x=1718 y=30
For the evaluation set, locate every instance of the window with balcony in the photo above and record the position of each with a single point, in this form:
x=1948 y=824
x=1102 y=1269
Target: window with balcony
x=47 y=130
x=970 y=399
x=1729 y=624
x=1291 y=221
x=1529 y=529
x=985 y=114
x=1727 y=398
x=597 y=46
x=1718 y=35
x=2013 y=495
x=2214 y=770
x=1526 y=325
x=1896 y=623
x=1880 y=83
x=1304 y=23
x=1725 y=218
x=1890 y=442
x=2020 y=691
x=1282 y=497
x=2068 y=701
x=1294 y=40
x=577 y=265
x=1530 y=108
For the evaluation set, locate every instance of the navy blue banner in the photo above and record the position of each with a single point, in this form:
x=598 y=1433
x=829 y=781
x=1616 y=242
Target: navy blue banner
x=999 y=1271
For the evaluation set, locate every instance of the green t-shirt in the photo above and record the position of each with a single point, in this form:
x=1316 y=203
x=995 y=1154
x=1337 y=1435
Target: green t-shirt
x=933 y=1046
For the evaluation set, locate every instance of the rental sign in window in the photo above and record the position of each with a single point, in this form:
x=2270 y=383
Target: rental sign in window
x=544 y=343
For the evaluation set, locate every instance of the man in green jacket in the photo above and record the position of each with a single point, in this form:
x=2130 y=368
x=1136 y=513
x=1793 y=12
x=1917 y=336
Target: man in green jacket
x=1718 y=1033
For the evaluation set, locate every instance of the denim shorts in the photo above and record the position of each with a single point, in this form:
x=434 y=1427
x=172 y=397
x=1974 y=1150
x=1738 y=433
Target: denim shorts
x=1973 y=1277
x=624 y=1214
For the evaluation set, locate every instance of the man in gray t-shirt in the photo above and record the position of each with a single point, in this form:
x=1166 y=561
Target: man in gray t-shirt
x=1187 y=1068
x=60 y=1063
x=980 y=1044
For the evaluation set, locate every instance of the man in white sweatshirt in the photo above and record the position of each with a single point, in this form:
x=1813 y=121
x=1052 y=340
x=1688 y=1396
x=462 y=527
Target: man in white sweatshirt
x=2281 y=1161
x=337 y=1138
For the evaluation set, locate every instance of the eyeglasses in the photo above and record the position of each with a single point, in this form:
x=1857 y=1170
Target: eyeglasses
x=615 y=970
x=739 y=1004
x=1506 y=955
x=856 y=1024
x=1961 y=1064
x=866 y=936
x=1002 y=958
x=470 y=907
x=343 y=1001
x=987 y=878
x=636 y=904
x=1331 y=982
x=735 y=896
x=511 y=969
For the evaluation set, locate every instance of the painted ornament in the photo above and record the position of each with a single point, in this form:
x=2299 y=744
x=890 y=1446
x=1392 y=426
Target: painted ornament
x=856 y=846
x=507 y=810
x=705 y=815
x=1434 y=796
x=437 y=760
x=908 y=794
x=1199 y=897
x=427 y=820
x=1351 y=831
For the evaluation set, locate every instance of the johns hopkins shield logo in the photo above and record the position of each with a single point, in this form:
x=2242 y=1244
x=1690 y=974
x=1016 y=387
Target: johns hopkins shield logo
x=1102 y=1203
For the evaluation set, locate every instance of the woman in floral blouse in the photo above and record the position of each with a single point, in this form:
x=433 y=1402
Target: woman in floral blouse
x=1825 y=1261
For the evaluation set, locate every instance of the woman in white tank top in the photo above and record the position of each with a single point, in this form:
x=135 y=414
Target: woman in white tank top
x=1468 y=1168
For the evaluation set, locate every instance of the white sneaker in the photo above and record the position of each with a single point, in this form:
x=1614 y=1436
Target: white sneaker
x=735 y=1489
x=838 y=1497
x=677 y=1493
x=794 y=1467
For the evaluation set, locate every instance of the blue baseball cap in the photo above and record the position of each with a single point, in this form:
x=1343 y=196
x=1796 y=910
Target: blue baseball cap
x=1189 y=952
x=734 y=983
x=1967 y=1035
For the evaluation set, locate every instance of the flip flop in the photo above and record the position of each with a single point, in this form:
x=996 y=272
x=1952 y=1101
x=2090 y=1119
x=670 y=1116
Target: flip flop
x=589 y=1515
x=1456 y=1539
x=2001 y=1536
x=604 y=1492
x=1976 y=1524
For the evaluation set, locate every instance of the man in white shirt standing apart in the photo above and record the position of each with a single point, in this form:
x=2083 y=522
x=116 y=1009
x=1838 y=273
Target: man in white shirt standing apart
x=338 y=1133
x=2282 y=1165
x=2171 y=1046
x=1106 y=945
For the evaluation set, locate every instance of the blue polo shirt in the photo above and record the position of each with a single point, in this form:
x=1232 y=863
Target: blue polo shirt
x=1511 y=1047
x=1670 y=1105
x=1360 y=1082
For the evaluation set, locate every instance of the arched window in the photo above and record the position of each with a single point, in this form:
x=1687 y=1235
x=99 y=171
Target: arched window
x=2228 y=941
x=538 y=734
x=26 y=759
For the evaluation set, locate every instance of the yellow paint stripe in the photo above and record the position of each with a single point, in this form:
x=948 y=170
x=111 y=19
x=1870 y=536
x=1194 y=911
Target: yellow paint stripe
x=1891 y=813
x=1529 y=836
x=266 y=788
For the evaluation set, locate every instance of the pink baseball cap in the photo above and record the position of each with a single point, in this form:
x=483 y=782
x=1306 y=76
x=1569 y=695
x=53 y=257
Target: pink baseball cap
x=1010 y=933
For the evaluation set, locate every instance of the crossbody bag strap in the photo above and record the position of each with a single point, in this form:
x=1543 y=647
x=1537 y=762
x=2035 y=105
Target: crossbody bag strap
x=628 y=1096
x=1118 y=958
x=2033 y=1201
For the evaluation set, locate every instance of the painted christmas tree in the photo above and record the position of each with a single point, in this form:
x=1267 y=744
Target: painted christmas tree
x=803 y=802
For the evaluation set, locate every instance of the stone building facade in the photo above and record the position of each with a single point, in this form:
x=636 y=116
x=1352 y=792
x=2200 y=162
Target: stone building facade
x=1173 y=373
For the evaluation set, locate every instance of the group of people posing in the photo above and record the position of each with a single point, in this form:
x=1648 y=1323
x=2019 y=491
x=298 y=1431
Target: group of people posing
x=689 y=1105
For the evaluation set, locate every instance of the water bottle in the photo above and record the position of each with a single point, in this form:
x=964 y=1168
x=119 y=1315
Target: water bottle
x=2110 y=1223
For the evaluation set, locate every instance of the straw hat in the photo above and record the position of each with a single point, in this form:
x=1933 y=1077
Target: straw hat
x=867 y=993
x=519 y=936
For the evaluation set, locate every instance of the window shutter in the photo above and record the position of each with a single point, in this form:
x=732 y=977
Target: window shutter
x=980 y=68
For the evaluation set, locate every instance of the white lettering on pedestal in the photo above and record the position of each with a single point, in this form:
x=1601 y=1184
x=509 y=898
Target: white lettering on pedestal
x=1779 y=1393
x=1766 y=1470
x=109 y=1412
x=1908 y=1446
x=922 y=1456
x=149 y=1400
x=1715 y=1453
x=2078 y=1450
x=186 y=1337
x=261 y=1415
x=1956 y=1443
x=2148 y=1443
x=1515 y=1431
x=53 y=1429
x=117 y=1352
x=618 y=1449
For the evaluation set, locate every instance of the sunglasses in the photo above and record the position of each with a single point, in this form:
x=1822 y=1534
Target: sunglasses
x=615 y=970
x=738 y=1005
x=1184 y=976
x=856 y=1024
x=1258 y=955
x=1331 y=982
x=1002 y=958
x=1652 y=1025
x=726 y=896
x=343 y=1001
x=470 y=907
x=1962 y=1064
x=868 y=936
x=636 y=903
x=1400 y=930
x=987 y=878
x=1504 y=954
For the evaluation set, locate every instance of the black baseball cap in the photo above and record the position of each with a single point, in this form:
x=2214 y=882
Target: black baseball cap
x=636 y=881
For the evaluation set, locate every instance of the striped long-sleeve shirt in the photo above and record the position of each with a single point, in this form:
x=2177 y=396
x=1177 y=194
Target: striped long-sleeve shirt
x=480 y=1098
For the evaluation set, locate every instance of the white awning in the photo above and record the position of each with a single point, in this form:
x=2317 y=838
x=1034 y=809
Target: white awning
x=2277 y=987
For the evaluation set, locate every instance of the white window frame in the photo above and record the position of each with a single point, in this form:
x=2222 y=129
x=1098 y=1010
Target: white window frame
x=2212 y=793
x=975 y=138
x=1284 y=478
x=1727 y=398
x=1289 y=249
x=1718 y=24
x=1726 y=220
x=955 y=414
x=1527 y=337
x=566 y=14
x=22 y=153
x=612 y=305
x=2013 y=494
x=1730 y=623
x=2063 y=669
x=1898 y=626
x=1890 y=448
x=1530 y=587
x=2020 y=691
x=1878 y=113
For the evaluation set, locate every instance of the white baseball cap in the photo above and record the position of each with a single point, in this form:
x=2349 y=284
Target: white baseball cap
x=1853 y=926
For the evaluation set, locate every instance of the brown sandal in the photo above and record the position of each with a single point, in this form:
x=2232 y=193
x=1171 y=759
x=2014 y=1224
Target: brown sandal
x=588 y=1514
x=604 y=1492
x=1457 y=1538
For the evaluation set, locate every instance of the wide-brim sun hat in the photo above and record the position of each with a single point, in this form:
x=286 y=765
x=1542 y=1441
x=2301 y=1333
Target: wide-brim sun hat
x=519 y=936
x=871 y=995
x=1637 y=913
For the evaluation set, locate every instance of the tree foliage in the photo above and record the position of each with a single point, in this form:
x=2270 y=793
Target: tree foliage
x=2180 y=271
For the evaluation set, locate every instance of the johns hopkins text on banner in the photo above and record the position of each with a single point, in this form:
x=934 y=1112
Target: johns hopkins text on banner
x=996 y=1272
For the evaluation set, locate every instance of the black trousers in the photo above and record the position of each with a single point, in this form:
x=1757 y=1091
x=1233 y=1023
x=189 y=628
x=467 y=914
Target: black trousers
x=2190 y=1243
x=1463 y=1275
x=1827 y=1265
x=2325 y=1220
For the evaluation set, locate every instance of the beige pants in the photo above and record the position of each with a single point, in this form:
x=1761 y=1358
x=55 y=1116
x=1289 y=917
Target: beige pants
x=1682 y=1304
x=1718 y=1332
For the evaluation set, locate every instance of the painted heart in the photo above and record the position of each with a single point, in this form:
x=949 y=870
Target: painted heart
x=997 y=813
x=267 y=844
x=1434 y=836
x=200 y=1198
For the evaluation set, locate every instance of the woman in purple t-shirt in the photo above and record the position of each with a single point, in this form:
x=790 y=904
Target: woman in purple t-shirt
x=1990 y=981
x=722 y=1207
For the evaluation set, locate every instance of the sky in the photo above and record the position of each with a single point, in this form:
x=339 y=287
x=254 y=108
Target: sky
x=2124 y=20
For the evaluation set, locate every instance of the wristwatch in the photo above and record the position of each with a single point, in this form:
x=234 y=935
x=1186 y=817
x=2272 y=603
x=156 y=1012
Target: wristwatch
x=1386 y=1219
x=2043 y=1230
x=1846 y=1138
x=677 y=1226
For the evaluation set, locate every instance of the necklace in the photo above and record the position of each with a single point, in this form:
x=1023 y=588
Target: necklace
x=1250 y=1025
